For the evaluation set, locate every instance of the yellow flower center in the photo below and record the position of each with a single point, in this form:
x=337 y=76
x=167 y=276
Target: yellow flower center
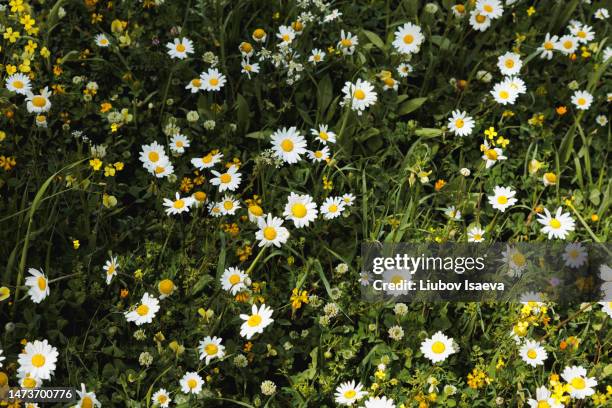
x=548 y=45
x=551 y=177
x=162 y=399
x=298 y=210
x=196 y=82
x=317 y=57
x=555 y=223
x=333 y=208
x=480 y=18
x=192 y=383
x=346 y=42
x=86 y=402
x=153 y=156
x=234 y=279
x=318 y=154
x=504 y=94
x=459 y=123
x=578 y=383
x=246 y=47
x=269 y=233
x=509 y=63
x=581 y=34
x=228 y=205
x=39 y=101
x=200 y=195
x=18 y=84
x=532 y=354
x=42 y=283
x=488 y=8
x=225 y=178
x=180 y=48
x=477 y=237
x=460 y=8
x=166 y=286
x=211 y=349
x=581 y=101
x=389 y=82
x=29 y=382
x=214 y=81
x=287 y=145
x=408 y=39
x=142 y=310
x=179 y=143
x=159 y=169
x=104 y=41
x=543 y=404
x=350 y=394
x=286 y=37
x=573 y=254
x=568 y=44
x=359 y=94
x=323 y=135
x=256 y=210
x=396 y=279
x=259 y=33
x=38 y=360
x=111 y=270
x=518 y=259
x=438 y=347
x=254 y=320
x=491 y=154
x=178 y=204
x=502 y=200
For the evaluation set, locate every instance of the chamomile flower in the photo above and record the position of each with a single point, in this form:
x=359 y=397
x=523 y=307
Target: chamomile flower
x=502 y=198
x=144 y=312
x=567 y=44
x=347 y=43
x=580 y=386
x=210 y=348
x=460 y=123
x=438 y=347
x=557 y=226
x=516 y=83
x=110 y=268
x=533 y=353
x=601 y=120
x=162 y=169
x=166 y=288
x=180 y=48
x=229 y=205
x=87 y=399
x=583 y=33
x=582 y=100
x=246 y=49
x=601 y=14
x=490 y=8
x=452 y=213
x=396 y=277
x=319 y=155
x=215 y=209
x=288 y=144
x=458 y=10
x=212 y=80
x=349 y=199
x=408 y=39
x=28 y=381
x=478 y=21
x=332 y=207
x=178 y=205
x=38 y=102
x=191 y=383
x=504 y=93
x=286 y=35
x=379 y=402
x=256 y=322
x=359 y=95
x=102 y=40
x=575 y=255
x=234 y=280
x=404 y=69
x=300 y=209
x=207 y=161
x=515 y=260
x=390 y=84
x=334 y=15
x=161 y=398
x=152 y=155
x=18 y=83
x=271 y=231
x=195 y=85
x=38 y=284
x=38 y=359
x=510 y=63
x=316 y=56
x=548 y=46
x=178 y=143
x=249 y=68
x=259 y=35
x=348 y=393
x=475 y=234
x=230 y=180
x=324 y=135
x=255 y=212
x=491 y=155
x=543 y=399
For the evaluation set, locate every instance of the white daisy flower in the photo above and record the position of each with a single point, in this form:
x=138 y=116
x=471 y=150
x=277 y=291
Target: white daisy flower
x=460 y=123
x=199 y=198
x=166 y=288
x=581 y=386
x=491 y=155
x=334 y=15
x=349 y=199
x=533 y=353
x=348 y=393
x=110 y=269
x=324 y=135
x=180 y=48
x=582 y=100
x=452 y=213
x=87 y=399
x=195 y=85
x=207 y=161
x=234 y=280
x=163 y=168
x=144 y=312
x=502 y=198
x=601 y=120
x=347 y=43
x=152 y=155
x=246 y=49
x=332 y=207
x=510 y=63
x=255 y=323
x=230 y=180
x=515 y=260
x=478 y=21
x=396 y=277
x=438 y=347
x=316 y=56
x=475 y=234
x=408 y=38
x=229 y=205
x=38 y=284
x=178 y=143
x=583 y=33
x=543 y=399
x=249 y=68
x=319 y=155
x=557 y=226
x=300 y=209
x=490 y=8
x=18 y=83
x=38 y=359
x=102 y=40
x=359 y=95
x=178 y=205
x=575 y=255
x=286 y=35
x=38 y=102
x=255 y=212
x=601 y=14
x=458 y=10
x=379 y=402
x=504 y=93
x=215 y=209
x=548 y=46
x=210 y=348
x=161 y=398
x=271 y=231
x=288 y=144
x=27 y=380
x=567 y=44
x=259 y=35
x=404 y=69
x=516 y=83
x=212 y=80
x=191 y=383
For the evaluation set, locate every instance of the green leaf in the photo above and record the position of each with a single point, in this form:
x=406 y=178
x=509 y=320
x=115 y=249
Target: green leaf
x=324 y=93
x=428 y=132
x=410 y=106
x=374 y=39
